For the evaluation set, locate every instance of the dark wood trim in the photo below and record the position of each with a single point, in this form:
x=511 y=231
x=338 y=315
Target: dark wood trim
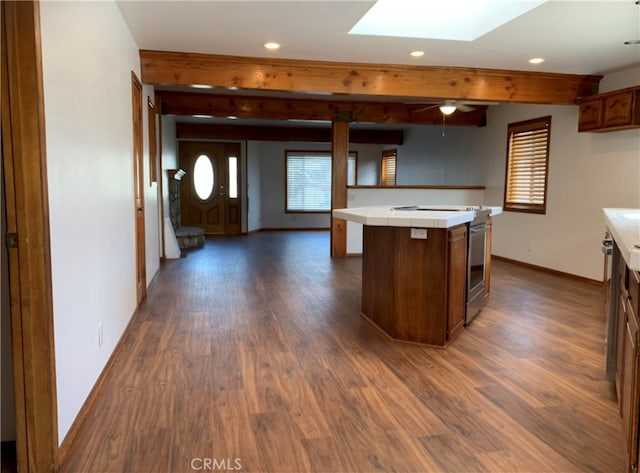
x=138 y=187
x=205 y=131
x=26 y=192
x=96 y=390
x=420 y=187
x=554 y=272
x=175 y=68
x=382 y=110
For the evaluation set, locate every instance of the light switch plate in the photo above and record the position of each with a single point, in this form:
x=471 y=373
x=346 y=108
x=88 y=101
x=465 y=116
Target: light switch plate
x=419 y=233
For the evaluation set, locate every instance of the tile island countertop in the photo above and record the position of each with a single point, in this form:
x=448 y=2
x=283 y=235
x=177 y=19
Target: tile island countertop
x=624 y=225
x=417 y=216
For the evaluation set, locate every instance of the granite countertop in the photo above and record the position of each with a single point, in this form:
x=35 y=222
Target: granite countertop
x=624 y=225
x=442 y=216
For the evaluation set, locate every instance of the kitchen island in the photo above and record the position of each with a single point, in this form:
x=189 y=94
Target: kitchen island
x=623 y=324
x=416 y=267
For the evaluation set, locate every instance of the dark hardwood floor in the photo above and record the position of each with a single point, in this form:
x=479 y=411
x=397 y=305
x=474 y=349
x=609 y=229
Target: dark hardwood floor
x=250 y=354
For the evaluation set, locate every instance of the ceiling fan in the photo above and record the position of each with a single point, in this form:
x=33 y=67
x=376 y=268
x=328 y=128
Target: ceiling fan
x=447 y=107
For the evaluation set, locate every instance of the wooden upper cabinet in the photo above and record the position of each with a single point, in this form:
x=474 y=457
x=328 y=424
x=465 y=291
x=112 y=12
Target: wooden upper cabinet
x=617 y=110
x=590 y=115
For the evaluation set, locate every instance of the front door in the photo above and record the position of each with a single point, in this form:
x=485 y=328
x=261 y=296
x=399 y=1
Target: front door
x=210 y=190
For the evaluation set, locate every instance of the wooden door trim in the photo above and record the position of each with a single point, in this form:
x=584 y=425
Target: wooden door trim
x=26 y=192
x=138 y=184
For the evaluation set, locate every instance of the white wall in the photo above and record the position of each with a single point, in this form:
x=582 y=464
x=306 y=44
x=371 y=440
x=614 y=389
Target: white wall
x=587 y=171
x=169 y=156
x=87 y=64
x=254 y=169
x=169 y=161
x=152 y=197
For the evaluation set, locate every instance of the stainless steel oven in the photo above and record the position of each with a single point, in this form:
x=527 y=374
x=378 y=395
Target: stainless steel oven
x=476 y=263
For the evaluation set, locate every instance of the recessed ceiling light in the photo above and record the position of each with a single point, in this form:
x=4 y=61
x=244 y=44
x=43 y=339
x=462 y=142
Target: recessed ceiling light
x=272 y=46
x=201 y=116
x=416 y=53
x=232 y=87
x=232 y=117
x=536 y=60
x=201 y=86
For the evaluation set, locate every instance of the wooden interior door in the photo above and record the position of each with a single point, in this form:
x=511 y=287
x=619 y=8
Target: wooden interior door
x=215 y=205
x=24 y=163
x=138 y=186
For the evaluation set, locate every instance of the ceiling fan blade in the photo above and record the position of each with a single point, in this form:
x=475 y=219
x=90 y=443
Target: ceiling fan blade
x=464 y=107
x=478 y=102
x=423 y=109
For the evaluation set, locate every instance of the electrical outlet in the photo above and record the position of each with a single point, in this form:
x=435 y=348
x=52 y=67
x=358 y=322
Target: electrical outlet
x=100 y=338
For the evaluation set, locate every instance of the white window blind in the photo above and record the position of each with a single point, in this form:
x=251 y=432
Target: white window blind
x=308 y=176
x=527 y=165
x=351 y=170
x=388 y=174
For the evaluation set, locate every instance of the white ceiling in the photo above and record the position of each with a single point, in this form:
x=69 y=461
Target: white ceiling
x=580 y=37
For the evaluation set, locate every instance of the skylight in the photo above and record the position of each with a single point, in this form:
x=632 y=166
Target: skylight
x=460 y=20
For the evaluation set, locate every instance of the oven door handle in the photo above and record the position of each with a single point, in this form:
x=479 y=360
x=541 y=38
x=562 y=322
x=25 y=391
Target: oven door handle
x=479 y=228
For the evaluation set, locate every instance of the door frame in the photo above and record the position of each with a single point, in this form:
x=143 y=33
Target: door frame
x=137 y=105
x=27 y=208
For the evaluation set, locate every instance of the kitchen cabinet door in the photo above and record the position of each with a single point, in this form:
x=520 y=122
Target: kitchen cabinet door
x=590 y=117
x=621 y=312
x=457 y=280
x=630 y=390
x=618 y=109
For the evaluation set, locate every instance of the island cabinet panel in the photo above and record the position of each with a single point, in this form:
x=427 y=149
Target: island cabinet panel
x=627 y=377
x=378 y=286
x=457 y=280
x=630 y=389
x=414 y=288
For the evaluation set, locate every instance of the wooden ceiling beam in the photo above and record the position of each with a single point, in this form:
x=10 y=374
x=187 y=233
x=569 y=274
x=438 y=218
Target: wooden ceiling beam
x=174 y=68
x=205 y=131
x=186 y=104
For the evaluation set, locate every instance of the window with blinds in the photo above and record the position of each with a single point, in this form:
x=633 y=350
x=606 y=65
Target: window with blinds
x=388 y=174
x=308 y=176
x=527 y=166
